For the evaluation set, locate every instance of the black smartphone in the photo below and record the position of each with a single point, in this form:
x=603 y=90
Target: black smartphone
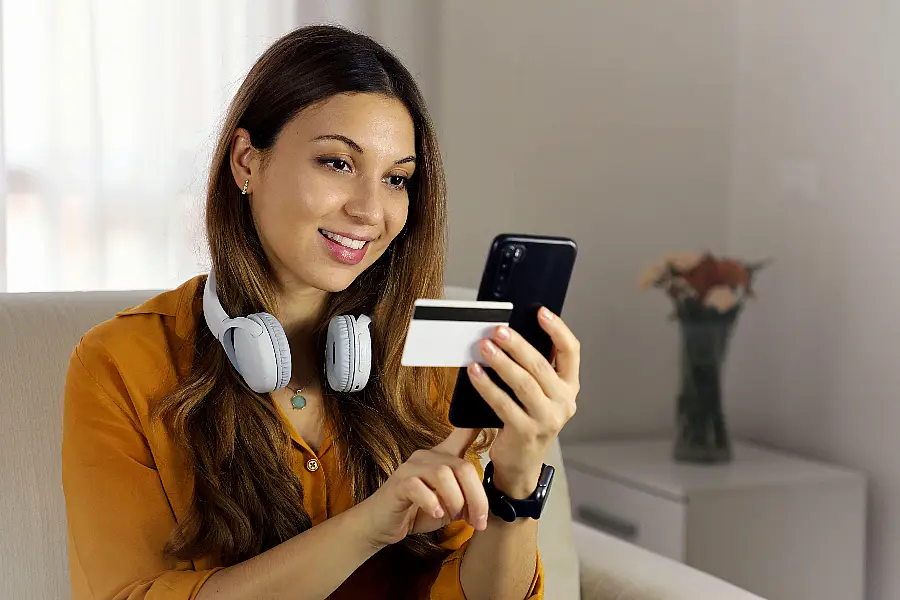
x=530 y=271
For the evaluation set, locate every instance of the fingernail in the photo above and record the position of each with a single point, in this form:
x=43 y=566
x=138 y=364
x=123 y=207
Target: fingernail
x=490 y=348
x=546 y=314
x=477 y=371
x=482 y=524
x=502 y=333
x=438 y=512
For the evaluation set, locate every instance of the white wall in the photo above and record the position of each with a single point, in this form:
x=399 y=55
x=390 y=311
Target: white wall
x=605 y=121
x=410 y=28
x=639 y=128
x=816 y=185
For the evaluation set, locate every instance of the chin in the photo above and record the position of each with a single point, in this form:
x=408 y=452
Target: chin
x=335 y=281
x=333 y=278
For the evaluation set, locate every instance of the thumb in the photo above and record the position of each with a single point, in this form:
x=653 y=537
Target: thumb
x=458 y=441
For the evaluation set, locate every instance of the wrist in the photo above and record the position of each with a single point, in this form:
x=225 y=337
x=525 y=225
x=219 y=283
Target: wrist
x=360 y=522
x=517 y=486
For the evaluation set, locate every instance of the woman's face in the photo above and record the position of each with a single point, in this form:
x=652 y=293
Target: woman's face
x=331 y=194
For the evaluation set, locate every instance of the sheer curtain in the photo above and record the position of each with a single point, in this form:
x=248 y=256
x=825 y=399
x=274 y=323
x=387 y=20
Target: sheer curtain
x=109 y=113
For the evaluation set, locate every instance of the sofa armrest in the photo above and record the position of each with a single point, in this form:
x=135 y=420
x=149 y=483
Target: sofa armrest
x=612 y=569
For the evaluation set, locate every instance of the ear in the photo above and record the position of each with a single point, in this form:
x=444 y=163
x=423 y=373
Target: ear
x=243 y=158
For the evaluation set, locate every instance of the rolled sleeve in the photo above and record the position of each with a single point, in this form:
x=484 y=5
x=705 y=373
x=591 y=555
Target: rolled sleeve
x=119 y=517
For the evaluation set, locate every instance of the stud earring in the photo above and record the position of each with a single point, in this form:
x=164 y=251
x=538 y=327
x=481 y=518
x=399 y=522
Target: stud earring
x=244 y=191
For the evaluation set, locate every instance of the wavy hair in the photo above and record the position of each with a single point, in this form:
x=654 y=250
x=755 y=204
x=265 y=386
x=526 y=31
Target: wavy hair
x=246 y=497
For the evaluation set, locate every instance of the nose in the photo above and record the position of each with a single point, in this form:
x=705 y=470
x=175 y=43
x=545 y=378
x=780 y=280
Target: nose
x=365 y=204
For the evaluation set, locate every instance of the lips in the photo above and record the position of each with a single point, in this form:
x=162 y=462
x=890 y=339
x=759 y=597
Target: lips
x=343 y=254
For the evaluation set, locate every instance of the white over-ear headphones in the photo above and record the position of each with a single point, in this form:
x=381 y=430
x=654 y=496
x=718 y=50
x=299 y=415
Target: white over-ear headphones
x=258 y=348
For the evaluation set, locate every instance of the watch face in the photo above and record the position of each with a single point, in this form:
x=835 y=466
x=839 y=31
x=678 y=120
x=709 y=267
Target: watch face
x=543 y=486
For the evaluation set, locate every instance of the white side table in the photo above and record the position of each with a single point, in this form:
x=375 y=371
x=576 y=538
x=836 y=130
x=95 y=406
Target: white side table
x=780 y=526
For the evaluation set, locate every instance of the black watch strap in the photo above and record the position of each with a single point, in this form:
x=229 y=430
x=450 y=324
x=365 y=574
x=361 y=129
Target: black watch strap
x=510 y=509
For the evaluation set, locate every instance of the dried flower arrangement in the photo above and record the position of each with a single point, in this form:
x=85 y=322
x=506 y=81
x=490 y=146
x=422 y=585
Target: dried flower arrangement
x=708 y=294
x=703 y=280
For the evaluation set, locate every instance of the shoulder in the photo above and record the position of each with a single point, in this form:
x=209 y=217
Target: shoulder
x=142 y=332
x=141 y=351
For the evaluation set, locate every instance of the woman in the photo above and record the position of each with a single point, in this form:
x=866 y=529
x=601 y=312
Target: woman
x=181 y=482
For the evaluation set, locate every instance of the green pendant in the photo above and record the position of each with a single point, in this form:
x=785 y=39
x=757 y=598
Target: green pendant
x=298 y=401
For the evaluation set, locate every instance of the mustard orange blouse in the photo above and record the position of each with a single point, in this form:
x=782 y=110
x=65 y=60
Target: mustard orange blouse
x=126 y=486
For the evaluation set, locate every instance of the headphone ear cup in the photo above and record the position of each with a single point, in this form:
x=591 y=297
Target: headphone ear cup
x=264 y=360
x=281 y=346
x=339 y=353
x=363 y=358
x=348 y=351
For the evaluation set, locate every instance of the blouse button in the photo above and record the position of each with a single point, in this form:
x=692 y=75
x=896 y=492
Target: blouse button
x=312 y=465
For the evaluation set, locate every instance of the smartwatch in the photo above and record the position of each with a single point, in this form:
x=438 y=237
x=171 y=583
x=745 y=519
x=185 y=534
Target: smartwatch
x=509 y=509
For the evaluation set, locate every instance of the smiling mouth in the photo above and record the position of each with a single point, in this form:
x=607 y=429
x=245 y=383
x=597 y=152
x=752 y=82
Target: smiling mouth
x=346 y=242
x=345 y=250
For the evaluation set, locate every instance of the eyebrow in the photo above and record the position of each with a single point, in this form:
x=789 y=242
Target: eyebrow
x=356 y=147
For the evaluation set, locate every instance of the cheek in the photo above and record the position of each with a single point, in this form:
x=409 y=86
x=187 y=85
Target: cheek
x=283 y=217
x=314 y=195
x=395 y=216
x=294 y=211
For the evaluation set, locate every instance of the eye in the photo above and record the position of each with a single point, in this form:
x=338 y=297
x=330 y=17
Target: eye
x=397 y=181
x=336 y=163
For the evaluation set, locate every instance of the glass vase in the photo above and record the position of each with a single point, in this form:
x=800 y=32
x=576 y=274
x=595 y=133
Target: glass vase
x=701 y=430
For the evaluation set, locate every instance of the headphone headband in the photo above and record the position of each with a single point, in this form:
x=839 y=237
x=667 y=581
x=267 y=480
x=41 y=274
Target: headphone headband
x=212 y=308
x=218 y=320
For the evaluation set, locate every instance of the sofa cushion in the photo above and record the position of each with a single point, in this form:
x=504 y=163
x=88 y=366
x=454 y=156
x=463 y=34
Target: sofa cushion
x=40 y=331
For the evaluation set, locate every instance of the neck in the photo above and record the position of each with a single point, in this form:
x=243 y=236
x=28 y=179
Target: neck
x=299 y=310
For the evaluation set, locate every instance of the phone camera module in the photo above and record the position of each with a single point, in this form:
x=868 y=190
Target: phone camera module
x=511 y=255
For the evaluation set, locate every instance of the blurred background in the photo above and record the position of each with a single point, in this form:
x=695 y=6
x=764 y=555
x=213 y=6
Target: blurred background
x=755 y=128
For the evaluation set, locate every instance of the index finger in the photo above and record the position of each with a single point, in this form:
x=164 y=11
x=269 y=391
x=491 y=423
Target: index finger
x=459 y=440
x=566 y=345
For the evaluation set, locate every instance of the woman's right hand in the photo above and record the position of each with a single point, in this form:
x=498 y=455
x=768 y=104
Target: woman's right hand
x=428 y=491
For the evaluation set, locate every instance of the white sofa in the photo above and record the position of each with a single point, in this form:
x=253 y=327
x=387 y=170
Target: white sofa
x=40 y=330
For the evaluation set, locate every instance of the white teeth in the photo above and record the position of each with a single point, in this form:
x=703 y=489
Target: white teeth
x=344 y=241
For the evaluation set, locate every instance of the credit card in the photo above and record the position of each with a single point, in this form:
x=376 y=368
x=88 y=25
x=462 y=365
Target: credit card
x=446 y=333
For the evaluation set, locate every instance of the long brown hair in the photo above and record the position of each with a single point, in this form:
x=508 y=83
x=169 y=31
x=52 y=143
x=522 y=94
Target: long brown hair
x=247 y=498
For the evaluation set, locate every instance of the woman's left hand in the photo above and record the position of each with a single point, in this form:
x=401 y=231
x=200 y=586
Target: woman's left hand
x=547 y=395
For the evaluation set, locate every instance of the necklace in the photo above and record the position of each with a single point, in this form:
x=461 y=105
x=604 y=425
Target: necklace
x=297 y=400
